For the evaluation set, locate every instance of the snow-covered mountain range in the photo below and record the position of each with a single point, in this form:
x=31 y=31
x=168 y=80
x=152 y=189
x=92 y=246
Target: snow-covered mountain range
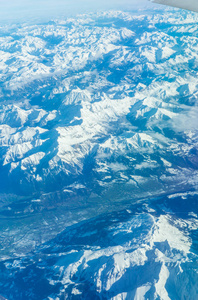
x=137 y=73
x=99 y=113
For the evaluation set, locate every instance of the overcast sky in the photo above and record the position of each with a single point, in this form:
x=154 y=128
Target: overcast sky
x=16 y=10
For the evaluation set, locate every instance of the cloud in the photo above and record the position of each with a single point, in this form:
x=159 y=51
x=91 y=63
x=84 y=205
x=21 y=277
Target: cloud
x=187 y=120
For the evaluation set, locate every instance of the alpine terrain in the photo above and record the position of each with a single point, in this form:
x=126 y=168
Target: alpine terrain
x=99 y=157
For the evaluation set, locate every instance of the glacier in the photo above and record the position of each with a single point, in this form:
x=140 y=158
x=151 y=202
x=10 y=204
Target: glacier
x=99 y=167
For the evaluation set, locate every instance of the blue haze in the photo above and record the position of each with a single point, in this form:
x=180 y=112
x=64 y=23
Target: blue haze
x=37 y=11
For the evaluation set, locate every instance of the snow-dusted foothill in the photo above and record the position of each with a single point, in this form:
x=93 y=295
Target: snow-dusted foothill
x=146 y=251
